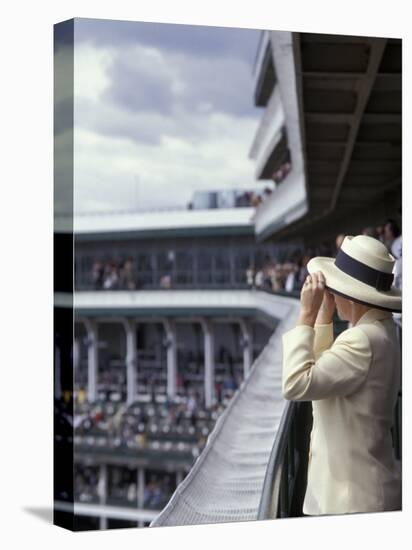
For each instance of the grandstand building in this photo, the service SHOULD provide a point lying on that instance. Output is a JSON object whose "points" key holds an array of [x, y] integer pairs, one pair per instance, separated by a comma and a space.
{"points": [[177, 411], [169, 319]]}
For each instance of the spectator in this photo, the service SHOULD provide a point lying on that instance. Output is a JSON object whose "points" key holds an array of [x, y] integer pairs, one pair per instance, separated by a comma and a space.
{"points": [[127, 276], [267, 192], [132, 492], [393, 240], [277, 278], [370, 232], [218, 389], [192, 407], [230, 383], [255, 200], [303, 270], [282, 172], [267, 282], [158, 496], [250, 276], [148, 493], [277, 176], [97, 275], [379, 231], [111, 277], [259, 279], [291, 271], [166, 281], [339, 240]]}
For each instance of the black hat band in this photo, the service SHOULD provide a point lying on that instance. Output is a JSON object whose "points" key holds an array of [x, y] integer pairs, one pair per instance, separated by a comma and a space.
{"points": [[362, 272]]}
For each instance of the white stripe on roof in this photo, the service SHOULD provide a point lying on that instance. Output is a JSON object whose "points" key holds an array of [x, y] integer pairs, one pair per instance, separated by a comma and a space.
{"points": [[179, 219]]}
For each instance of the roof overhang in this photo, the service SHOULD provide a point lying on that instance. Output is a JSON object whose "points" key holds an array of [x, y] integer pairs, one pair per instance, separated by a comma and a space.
{"points": [[350, 90]]}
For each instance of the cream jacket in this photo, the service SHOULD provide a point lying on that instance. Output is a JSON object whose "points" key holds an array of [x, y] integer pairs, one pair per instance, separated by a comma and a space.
{"points": [[353, 383]]}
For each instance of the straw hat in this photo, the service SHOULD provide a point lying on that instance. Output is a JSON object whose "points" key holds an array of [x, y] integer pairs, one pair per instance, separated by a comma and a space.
{"points": [[361, 272]]}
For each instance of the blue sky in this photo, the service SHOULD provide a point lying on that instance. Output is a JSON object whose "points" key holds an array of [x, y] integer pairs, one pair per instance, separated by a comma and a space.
{"points": [[160, 111]]}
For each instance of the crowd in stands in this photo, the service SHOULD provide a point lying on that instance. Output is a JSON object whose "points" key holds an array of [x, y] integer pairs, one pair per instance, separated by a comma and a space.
{"points": [[122, 487], [113, 275], [390, 234], [252, 198], [151, 422], [285, 276], [271, 274], [153, 377], [178, 425], [289, 276], [86, 484]]}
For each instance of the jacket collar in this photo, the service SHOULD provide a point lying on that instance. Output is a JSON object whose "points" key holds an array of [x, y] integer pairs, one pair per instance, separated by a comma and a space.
{"points": [[372, 315]]}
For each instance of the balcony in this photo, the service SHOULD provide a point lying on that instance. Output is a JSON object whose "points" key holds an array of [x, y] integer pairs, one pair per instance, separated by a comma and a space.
{"points": [[279, 138], [269, 147], [264, 71]]}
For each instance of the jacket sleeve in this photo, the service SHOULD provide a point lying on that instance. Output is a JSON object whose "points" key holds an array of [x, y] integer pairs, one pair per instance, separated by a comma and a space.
{"points": [[323, 338], [338, 371]]}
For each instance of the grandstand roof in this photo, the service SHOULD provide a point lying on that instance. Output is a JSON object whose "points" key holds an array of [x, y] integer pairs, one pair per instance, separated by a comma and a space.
{"points": [[223, 221], [350, 91], [349, 100]]}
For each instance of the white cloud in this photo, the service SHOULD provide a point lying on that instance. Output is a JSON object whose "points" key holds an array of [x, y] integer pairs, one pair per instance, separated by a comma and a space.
{"points": [[90, 71], [193, 134]]}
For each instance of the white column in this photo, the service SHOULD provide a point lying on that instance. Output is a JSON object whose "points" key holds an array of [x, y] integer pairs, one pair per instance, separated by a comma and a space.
{"points": [[247, 346], [209, 352], [76, 354], [102, 492], [131, 360], [171, 343], [92, 359]]}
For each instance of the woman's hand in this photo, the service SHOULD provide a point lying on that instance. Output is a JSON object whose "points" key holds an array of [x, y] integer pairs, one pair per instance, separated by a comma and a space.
{"points": [[311, 298], [327, 309]]}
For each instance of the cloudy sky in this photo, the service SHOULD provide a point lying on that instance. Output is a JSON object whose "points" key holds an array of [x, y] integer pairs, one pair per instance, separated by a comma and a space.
{"points": [[161, 110]]}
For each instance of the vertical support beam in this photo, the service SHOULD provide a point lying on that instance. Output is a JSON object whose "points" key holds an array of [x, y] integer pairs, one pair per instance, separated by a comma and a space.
{"points": [[232, 267], [57, 373], [76, 354], [131, 360], [155, 271], [171, 345], [92, 359], [194, 253], [102, 492], [247, 338], [159, 331], [209, 351]]}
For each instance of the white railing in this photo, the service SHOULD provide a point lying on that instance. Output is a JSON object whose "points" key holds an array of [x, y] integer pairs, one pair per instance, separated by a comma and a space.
{"points": [[269, 132], [260, 53], [225, 483], [286, 204]]}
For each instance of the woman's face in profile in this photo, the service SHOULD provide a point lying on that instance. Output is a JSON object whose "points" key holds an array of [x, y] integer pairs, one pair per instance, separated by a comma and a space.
{"points": [[343, 307]]}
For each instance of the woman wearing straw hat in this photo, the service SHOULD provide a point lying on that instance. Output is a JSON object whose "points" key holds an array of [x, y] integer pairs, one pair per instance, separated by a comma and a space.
{"points": [[353, 381]]}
